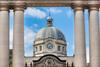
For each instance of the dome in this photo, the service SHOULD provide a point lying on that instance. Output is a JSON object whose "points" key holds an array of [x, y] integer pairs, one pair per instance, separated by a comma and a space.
{"points": [[50, 32], [49, 40]]}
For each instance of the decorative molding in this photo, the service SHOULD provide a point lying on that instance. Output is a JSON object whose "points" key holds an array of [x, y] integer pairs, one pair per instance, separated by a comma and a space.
{"points": [[4, 7], [19, 6], [47, 3], [94, 8]]}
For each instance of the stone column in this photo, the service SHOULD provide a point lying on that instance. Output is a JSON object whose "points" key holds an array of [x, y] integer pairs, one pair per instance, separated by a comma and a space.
{"points": [[80, 48], [99, 18], [99, 23], [18, 48], [4, 36], [99, 29], [94, 37]]}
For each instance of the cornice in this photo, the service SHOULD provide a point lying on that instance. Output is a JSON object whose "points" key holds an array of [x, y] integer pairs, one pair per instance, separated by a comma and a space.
{"points": [[21, 5], [4, 7]]}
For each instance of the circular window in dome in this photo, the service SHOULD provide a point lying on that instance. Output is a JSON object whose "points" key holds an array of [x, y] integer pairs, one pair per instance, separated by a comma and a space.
{"points": [[50, 46]]}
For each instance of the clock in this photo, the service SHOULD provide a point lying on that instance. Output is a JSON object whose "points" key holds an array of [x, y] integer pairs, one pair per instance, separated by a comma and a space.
{"points": [[49, 46]]}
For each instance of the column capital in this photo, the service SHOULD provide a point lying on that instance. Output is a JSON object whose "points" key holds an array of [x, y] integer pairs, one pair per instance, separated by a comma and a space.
{"points": [[19, 6], [79, 8], [93, 5], [78, 5], [94, 8], [4, 7]]}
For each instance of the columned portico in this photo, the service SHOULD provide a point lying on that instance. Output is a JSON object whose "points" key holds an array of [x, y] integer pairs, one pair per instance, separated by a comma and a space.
{"points": [[80, 49], [4, 36], [18, 39], [18, 49], [94, 37]]}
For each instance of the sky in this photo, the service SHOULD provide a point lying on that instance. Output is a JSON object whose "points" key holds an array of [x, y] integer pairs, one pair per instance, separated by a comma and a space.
{"points": [[35, 18]]}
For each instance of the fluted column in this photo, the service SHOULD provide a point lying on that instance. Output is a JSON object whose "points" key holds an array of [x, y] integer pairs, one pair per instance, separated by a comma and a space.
{"points": [[18, 48], [4, 36], [94, 37], [80, 49]]}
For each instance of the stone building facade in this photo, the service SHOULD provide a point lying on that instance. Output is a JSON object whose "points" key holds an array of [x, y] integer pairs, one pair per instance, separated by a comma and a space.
{"points": [[18, 6], [50, 49]]}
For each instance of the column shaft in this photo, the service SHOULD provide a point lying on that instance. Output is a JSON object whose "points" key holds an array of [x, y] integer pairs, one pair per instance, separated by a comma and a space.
{"points": [[94, 38], [80, 49], [4, 38], [18, 51]]}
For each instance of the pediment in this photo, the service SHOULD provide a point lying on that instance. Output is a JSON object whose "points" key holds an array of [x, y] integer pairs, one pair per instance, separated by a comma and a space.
{"points": [[49, 61]]}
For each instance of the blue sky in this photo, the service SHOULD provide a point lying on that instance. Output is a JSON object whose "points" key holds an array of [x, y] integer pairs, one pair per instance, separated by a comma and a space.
{"points": [[35, 19]]}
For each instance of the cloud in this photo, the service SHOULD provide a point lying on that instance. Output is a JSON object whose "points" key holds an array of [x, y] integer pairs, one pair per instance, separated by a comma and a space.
{"points": [[34, 12], [11, 14], [87, 55], [11, 39], [29, 35], [28, 40], [54, 10], [28, 50]]}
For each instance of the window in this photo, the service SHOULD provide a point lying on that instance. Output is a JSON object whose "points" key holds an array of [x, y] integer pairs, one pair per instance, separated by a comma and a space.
{"points": [[40, 48], [36, 49], [63, 48], [59, 48]]}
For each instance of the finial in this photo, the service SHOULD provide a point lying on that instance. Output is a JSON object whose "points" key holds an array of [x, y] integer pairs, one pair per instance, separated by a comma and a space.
{"points": [[49, 20]]}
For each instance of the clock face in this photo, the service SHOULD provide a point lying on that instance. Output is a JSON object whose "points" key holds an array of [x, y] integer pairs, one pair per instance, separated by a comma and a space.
{"points": [[49, 46]]}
